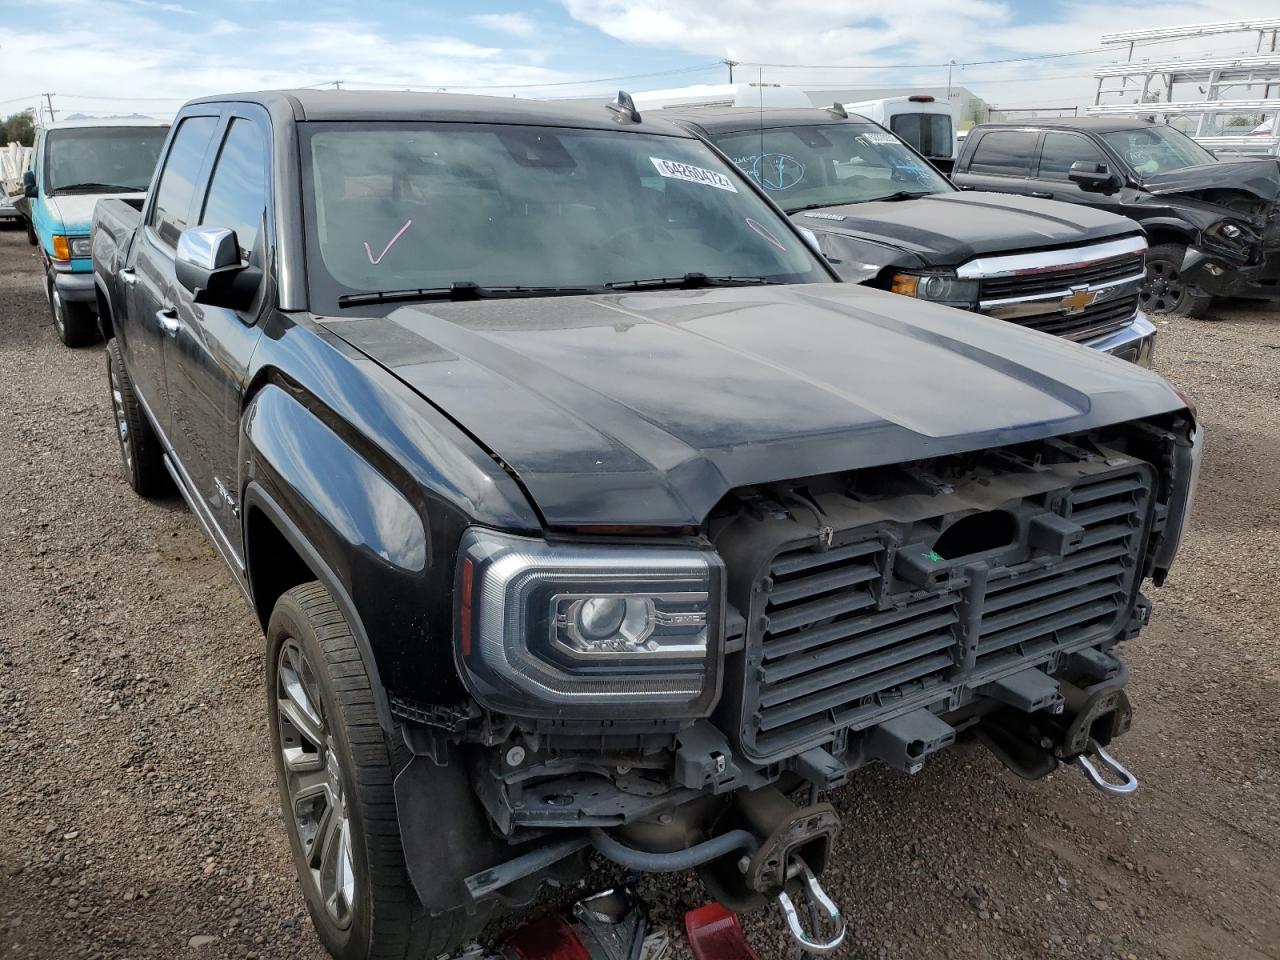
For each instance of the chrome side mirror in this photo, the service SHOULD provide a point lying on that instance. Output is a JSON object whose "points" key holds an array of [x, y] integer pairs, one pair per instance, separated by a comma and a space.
{"points": [[208, 266]]}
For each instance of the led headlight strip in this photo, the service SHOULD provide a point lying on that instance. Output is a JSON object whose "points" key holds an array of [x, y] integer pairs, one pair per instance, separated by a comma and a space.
{"points": [[580, 630]]}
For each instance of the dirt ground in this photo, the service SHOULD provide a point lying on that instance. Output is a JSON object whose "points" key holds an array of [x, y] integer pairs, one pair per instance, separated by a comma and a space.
{"points": [[138, 815]]}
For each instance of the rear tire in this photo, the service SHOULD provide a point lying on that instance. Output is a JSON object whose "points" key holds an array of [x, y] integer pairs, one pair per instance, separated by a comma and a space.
{"points": [[336, 769], [140, 451], [1163, 292], [76, 323]]}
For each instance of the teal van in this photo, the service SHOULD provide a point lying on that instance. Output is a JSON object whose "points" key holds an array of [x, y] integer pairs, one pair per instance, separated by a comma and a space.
{"points": [[76, 163]]}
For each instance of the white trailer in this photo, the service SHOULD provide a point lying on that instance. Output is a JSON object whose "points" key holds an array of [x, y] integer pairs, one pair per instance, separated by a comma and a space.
{"points": [[923, 121]]}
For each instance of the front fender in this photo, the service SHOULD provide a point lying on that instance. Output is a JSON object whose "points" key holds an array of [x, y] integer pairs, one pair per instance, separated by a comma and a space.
{"points": [[369, 539]]}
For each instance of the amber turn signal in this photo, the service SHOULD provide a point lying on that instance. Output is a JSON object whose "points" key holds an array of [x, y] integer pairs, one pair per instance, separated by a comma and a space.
{"points": [[61, 248]]}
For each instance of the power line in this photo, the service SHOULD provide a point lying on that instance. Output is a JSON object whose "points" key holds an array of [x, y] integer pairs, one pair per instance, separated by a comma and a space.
{"points": [[532, 86]]}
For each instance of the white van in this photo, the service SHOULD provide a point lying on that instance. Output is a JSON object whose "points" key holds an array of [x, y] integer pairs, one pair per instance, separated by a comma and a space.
{"points": [[766, 95], [922, 121]]}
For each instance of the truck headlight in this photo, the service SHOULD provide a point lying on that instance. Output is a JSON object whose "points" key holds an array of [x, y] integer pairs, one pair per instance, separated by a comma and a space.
{"points": [[938, 287], [81, 247], [592, 631], [1186, 464]]}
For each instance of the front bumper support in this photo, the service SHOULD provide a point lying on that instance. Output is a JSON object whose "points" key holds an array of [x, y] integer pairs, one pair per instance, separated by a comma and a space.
{"points": [[1135, 342], [1219, 277]]}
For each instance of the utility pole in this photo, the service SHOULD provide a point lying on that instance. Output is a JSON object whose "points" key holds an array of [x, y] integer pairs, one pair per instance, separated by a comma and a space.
{"points": [[949, 66], [48, 98], [337, 84], [730, 64]]}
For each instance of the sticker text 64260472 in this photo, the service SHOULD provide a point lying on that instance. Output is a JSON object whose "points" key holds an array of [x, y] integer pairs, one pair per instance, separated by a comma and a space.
{"points": [[675, 170]]}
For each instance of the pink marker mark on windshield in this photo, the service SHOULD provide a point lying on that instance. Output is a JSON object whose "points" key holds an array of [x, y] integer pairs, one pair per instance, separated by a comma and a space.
{"points": [[390, 243], [764, 233]]}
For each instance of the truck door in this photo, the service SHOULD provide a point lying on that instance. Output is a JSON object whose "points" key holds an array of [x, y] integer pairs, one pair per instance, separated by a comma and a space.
{"points": [[207, 358], [1058, 151], [148, 276], [1002, 161]]}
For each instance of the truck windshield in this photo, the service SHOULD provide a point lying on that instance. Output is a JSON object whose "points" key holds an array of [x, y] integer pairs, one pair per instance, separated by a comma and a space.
{"points": [[825, 165], [101, 159], [428, 206], [1152, 150]]}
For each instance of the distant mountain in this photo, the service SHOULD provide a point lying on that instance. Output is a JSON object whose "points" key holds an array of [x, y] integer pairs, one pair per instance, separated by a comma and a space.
{"points": [[113, 116]]}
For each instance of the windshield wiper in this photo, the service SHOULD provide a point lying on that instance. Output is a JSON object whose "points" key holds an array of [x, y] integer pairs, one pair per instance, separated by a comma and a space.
{"points": [[690, 281], [103, 187], [903, 195], [461, 290]]}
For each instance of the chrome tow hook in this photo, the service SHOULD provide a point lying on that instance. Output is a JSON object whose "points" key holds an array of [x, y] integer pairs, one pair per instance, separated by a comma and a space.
{"points": [[1128, 782], [819, 904]]}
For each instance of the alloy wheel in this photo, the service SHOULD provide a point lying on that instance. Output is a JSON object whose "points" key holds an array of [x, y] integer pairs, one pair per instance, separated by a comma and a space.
{"points": [[1162, 290], [313, 781]]}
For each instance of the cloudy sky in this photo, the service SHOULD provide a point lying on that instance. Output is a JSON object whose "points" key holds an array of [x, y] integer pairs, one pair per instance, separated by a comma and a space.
{"points": [[118, 56]]}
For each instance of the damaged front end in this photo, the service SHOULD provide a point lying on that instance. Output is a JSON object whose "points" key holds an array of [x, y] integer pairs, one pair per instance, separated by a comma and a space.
{"points": [[1235, 210], [665, 699]]}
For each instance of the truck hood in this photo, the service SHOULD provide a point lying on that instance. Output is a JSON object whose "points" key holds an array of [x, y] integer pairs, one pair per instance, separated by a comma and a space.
{"points": [[648, 408], [1258, 178], [75, 210], [946, 229]]}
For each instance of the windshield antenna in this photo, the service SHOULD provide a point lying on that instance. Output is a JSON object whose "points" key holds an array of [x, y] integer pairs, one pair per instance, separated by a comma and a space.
{"points": [[760, 156]]}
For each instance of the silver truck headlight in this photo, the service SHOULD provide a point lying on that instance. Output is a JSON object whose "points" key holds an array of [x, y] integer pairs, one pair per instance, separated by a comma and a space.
{"points": [[938, 287], [573, 630], [81, 247]]}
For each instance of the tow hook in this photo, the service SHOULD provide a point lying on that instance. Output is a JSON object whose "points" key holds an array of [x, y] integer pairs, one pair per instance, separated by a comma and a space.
{"points": [[1128, 782], [818, 906]]}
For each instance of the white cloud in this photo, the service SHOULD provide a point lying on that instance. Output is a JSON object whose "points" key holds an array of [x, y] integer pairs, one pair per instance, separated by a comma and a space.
{"points": [[923, 32], [516, 24]]}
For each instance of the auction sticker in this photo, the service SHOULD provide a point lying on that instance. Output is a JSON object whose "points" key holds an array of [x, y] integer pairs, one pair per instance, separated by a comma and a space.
{"points": [[884, 139], [675, 170]]}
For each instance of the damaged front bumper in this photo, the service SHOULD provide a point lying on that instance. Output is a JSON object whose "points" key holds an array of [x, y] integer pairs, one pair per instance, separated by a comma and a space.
{"points": [[1220, 275]]}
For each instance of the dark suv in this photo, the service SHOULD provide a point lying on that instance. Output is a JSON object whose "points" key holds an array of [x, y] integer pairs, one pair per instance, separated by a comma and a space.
{"points": [[582, 510], [1213, 226]]}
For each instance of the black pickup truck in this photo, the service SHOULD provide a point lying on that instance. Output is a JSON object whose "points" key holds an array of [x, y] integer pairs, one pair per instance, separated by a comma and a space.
{"points": [[885, 217], [1213, 225], [581, 510]]}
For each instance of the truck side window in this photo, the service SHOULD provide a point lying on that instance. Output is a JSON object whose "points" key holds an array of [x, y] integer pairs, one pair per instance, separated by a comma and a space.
{"points": [[178, 181], [238, 188], [1004, 152], [1061, 150]]}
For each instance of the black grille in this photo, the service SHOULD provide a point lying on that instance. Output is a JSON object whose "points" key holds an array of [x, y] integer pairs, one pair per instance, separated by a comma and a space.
{"points": [[843, 643], [1030, 284], [1093, 322]]}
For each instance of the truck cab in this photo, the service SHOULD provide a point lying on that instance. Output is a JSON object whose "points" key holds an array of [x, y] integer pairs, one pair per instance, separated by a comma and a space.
{"points": [[77, 163]]}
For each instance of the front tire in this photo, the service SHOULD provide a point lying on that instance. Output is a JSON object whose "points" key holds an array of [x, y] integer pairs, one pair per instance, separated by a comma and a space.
{"points": [[336, 772], [140, 452], [76, 324], [1164, 291], [31, 233]]}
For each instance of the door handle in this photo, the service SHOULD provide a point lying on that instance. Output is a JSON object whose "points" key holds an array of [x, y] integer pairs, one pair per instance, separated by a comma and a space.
{"points": [[168, 320], [128, 276], [1042, 195]]}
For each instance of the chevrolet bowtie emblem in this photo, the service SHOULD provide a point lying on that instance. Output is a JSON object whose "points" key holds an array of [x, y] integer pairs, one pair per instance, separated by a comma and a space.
{"points": [[1078, 300]]}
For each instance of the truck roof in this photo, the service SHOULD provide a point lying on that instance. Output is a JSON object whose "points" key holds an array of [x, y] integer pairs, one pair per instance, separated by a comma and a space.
{"points": [[106, 122], [458, 107], [1092, 124], [736, 119]]}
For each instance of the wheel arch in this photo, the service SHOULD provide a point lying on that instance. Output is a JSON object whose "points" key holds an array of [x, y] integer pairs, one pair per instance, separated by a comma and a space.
{"points": [[106, 319], [1167, 230], [278, 557]]}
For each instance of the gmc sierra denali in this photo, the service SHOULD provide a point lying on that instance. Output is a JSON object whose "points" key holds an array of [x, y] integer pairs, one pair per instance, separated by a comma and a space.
{"points": [[582, 511], [1213, 225], [885, 217]]}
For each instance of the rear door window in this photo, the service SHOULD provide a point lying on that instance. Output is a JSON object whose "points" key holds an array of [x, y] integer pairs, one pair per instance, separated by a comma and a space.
{"points": [[930, 133], [1005, 153], [1061, 150], [171, 212], [237, 196]]}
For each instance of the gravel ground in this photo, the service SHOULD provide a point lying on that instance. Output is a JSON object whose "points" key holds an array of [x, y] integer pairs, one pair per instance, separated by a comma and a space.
{"points": [[138, 814]]}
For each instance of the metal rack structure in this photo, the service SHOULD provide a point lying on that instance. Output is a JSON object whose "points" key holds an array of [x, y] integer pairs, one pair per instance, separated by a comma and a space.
{"points": [[1229, 87]]}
